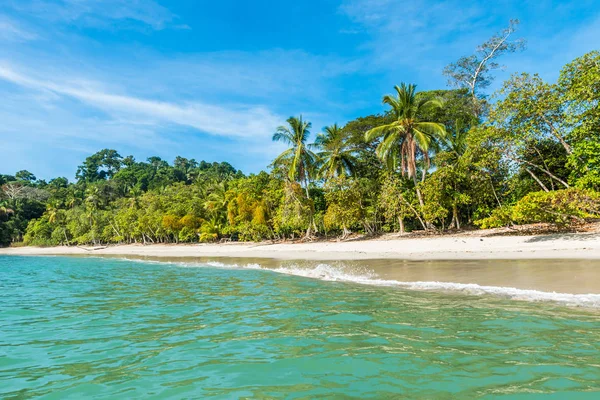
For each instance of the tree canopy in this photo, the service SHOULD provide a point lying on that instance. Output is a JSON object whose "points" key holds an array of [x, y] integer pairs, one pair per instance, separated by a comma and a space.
{"points": [[428, 161]]}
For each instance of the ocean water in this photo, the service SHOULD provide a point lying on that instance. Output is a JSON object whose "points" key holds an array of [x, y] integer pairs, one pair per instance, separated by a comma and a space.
{"points": [[73, 328]]}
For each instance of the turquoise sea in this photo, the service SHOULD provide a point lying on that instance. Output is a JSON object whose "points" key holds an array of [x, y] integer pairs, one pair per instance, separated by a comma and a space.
{"points": [[74, 328]]}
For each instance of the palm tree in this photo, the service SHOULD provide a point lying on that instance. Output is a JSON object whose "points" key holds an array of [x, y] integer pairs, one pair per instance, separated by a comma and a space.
{"points": [[57, 216], [456, 141], [406, 136], [134, 200], [298, 158], [92, 205], [216, 201], [336, 157]]}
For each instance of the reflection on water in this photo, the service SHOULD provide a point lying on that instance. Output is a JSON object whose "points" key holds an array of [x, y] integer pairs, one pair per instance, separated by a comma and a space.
{"points": [[87, 327]]}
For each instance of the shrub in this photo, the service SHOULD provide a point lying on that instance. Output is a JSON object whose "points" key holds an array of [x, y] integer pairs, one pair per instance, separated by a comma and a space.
{"points": [[559, 207], [501, 216]]}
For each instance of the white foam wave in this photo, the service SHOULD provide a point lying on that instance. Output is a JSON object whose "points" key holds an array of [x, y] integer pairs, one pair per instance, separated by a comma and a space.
{"points": [[330, 272]]}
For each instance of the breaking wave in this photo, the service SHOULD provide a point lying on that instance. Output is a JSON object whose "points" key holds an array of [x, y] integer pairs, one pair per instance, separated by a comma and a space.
{"points": [[364, 276]]}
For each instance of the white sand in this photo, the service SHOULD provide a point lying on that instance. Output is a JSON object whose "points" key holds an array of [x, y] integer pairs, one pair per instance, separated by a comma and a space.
{"points": [[559, 246]]}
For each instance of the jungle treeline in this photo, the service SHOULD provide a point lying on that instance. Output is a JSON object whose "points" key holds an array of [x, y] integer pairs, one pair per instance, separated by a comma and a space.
{"points": [[432, 160]]}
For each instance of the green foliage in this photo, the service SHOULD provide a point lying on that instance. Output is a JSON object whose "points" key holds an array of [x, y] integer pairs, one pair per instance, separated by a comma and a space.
{"points": [[99, 166], [402, 139], [337, 155], [293, 215], [431, 161], [299, 160], [560, 207], [580, 85], [345, 208], [396, 200], [367, 165], [25, 176], [499, 217]]}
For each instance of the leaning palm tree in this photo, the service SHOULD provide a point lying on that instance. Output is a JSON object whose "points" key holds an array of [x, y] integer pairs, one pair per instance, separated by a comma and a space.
{"points": [[407, 136], [336, 157], [299, 159]]}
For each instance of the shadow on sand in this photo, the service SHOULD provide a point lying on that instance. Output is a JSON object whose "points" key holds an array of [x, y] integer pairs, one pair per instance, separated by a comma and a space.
{"points": [[582, 237]]}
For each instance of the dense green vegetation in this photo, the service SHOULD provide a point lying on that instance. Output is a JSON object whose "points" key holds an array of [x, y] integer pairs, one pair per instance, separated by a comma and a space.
{"points": [[436, 160]]}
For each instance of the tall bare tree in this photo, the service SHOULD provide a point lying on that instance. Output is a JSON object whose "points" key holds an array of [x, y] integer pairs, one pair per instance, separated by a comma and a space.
{"points": [[474, 72]]}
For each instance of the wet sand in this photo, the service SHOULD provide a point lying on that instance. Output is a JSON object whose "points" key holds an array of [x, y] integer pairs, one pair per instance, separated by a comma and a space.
{"points": [[560, 276], [562, 263]]}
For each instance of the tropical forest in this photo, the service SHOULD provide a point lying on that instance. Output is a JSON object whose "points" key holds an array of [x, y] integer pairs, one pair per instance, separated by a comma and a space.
{"points": [[434, 161]]}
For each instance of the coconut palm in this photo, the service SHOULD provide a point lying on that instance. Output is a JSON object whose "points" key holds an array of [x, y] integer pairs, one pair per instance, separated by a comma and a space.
{"points": [[57, 216], [456, 141], [407, 136], [299, 159], [92, 205], [216, 200], [336, 156]]}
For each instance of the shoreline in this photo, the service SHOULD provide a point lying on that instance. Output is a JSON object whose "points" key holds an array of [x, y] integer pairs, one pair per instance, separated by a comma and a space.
{"points": [[556, 267], [455, 247]]}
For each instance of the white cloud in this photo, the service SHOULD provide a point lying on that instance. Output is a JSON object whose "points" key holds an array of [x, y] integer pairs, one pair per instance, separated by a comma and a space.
{"points": [[228, 121]]}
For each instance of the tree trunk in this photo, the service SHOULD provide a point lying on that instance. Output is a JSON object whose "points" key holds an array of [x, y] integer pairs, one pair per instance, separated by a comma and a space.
{"points": [[401, 222], [419, 196], [537, 180], [556, 134], [346, 233], [550, 174], [455, 221], [66, 238], [415, 212], [308, 231], [311, 224], [427, 225]]}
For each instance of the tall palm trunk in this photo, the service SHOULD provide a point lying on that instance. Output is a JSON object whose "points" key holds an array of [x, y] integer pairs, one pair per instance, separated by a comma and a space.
{"points": [[312, 224]]}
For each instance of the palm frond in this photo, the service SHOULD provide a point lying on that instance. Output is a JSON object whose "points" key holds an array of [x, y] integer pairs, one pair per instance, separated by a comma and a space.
{"points": [[373, 133]]}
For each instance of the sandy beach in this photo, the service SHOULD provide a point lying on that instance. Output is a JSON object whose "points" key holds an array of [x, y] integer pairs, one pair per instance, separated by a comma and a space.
{"points": [[457, 247], [560, 267]]}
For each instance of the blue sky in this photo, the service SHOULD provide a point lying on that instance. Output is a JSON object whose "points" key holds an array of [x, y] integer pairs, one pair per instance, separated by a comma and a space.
{"points": [[213, 79]]}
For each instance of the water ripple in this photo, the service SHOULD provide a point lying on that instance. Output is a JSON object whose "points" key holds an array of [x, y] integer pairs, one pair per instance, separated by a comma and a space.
{"points": [[93, 328]]}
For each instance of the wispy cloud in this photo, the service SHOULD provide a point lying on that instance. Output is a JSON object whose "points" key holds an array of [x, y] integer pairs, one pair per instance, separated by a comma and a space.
{"points": [[400, 33], [420, 37], [11, 30], [234, 121], [99, 13], [74, 77]]}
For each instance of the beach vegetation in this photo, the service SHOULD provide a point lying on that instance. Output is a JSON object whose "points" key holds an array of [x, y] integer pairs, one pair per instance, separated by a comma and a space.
{"points": [[430, 161]]}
